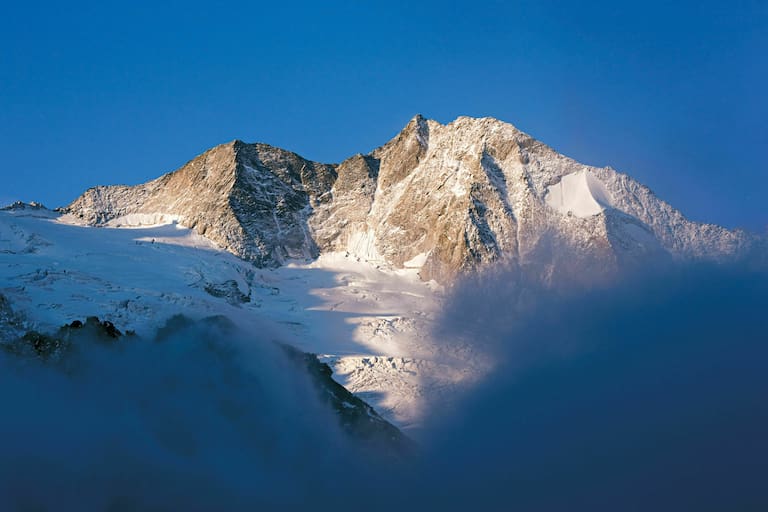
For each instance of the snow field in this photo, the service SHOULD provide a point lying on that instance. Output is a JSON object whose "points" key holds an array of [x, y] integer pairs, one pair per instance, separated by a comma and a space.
{"points": [[372, 324]]}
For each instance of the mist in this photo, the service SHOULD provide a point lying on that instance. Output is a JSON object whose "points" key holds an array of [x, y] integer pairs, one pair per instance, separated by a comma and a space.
{"points": [[649, 394], [201, 418], [646, 395]]}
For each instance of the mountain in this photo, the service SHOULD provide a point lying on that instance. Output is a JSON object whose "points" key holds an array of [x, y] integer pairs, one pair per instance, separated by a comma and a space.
{"points": [[440, 198], [368, 241], [330, 282]]}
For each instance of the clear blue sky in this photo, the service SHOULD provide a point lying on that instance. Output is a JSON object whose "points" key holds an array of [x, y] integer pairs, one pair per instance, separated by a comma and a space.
{"points": [[673, 93]]}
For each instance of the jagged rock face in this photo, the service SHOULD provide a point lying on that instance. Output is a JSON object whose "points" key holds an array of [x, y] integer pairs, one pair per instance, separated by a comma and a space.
{"points": [[443, 198], [197, 195], [253, 200], [273, 195], [450, 198]]}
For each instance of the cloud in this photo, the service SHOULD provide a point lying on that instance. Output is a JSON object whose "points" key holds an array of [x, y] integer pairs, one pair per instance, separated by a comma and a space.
{"points": [[204, 418], [646, 395], [649, 395]]}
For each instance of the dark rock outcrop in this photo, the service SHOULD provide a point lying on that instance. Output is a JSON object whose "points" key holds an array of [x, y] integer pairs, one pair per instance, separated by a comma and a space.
{"points": [[357, 418]]}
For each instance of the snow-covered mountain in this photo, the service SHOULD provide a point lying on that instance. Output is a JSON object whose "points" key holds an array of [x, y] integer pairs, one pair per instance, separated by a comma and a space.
{"points": [[347, 261], [439, 198]]}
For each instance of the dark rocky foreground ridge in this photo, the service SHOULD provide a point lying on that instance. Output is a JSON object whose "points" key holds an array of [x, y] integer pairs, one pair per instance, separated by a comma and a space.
{"points": [[62, 351], [440, 198]]}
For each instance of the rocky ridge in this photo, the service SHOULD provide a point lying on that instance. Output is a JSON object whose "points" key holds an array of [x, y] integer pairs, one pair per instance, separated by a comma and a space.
{"points": [[441, 198]]}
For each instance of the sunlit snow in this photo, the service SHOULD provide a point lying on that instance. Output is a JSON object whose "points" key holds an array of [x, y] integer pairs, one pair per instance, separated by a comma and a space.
{"points": [[581, 194], [372, 324]]}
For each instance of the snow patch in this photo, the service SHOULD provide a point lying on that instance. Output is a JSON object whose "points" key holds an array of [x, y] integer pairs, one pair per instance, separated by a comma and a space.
{"points": [[363, 245], [135, 220], [417, 261], [580, 193], [458, 190]]}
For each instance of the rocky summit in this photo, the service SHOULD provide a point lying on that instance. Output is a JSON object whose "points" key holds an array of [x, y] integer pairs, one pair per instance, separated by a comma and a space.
{"points": [[440, 198]]}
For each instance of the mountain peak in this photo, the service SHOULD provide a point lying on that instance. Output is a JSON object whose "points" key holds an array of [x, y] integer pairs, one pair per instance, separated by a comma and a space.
{"points": [[441, 198], [418, 118], [419, 126]]}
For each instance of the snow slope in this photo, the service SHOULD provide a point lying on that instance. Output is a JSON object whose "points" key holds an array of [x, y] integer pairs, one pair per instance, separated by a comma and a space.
{"points": [[581, 194], [371, 324]]}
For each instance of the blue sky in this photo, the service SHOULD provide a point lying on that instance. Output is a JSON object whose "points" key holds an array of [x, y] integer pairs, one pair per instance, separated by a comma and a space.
{"points": [[674, 95]]}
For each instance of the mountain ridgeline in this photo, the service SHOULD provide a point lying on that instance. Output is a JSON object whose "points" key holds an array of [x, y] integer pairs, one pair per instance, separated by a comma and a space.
{"points": [[441, 198]]}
